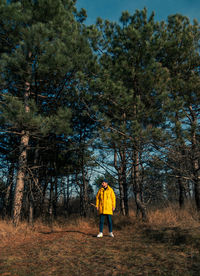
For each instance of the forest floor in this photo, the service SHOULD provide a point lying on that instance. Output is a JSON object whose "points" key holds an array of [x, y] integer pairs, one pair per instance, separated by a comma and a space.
{"points": [[73, 249]]}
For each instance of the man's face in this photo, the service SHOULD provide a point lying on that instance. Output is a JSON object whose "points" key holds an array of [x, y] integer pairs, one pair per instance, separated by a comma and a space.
{"points": [[104, 184]]}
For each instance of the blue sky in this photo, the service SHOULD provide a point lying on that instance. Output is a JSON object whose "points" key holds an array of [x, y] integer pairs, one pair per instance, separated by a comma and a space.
{"points": [[112, 9]]}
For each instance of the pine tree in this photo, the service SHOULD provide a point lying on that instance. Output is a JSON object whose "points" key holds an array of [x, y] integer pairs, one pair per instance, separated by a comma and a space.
{"points": [[180, 55], [133, 86], [43, 52]]}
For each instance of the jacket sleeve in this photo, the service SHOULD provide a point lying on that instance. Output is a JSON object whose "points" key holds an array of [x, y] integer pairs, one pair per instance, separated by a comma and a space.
{"points": [[97, 199], [113, 199]]}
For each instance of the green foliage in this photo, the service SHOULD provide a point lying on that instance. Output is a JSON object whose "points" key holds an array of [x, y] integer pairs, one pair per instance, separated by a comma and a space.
{"points": [[58, 123], [44, 57], [47, 49], [14, 113], [133, 82]]}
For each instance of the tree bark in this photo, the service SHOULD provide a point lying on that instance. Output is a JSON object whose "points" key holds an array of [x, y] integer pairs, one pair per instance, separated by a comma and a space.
{"points": [[19, 190], [125, 188], [31, 210], [119, 170], [51, 196], [55, 197], [85, 195], [182, 194], [141, 207], [195, 158], [121, 194], [43, 209], [83, 190], [8, 197], [179, 161], [66, 195]]}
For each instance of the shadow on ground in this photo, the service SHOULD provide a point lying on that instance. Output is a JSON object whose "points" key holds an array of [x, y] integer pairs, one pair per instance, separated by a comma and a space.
{"points": [[173, 236], [66, 231]]}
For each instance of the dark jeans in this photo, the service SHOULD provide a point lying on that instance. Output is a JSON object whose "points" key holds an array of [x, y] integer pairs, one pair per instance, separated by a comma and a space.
{"points": [[109, 219]]}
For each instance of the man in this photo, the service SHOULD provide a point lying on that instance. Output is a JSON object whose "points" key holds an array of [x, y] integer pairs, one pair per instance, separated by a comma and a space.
{"points": [[105, 204]]}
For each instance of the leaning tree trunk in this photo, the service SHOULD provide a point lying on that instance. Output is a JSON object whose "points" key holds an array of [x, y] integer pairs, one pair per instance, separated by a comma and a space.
{"points": [[19, 190]]}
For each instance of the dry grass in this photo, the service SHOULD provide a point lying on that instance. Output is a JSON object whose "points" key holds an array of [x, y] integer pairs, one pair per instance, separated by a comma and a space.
{"points": [[166, 245], [172, 216]]}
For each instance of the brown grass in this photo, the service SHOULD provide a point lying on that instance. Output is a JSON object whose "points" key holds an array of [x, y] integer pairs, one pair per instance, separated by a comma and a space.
{"points": [[173, 216], [168, 244]]}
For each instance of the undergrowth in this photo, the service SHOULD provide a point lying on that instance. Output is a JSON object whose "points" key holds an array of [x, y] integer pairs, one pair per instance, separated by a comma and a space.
{"points": [[167, 244]]}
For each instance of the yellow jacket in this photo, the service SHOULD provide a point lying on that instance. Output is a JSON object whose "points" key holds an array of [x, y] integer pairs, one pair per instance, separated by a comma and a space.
{"points": [[106, 201]]}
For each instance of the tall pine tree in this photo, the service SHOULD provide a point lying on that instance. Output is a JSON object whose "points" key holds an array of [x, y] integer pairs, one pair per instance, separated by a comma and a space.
{"points": [[43, 52]]}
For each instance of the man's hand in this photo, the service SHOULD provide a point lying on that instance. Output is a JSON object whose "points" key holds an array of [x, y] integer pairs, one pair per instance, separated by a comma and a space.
{"points": [[113, 209]]}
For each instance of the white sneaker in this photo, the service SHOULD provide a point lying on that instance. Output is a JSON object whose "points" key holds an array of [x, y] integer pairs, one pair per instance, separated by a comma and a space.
{"points": [[100, 235], [111, 234]]}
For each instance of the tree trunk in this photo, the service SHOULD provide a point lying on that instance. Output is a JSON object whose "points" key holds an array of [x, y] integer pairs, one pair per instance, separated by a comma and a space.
{"points": [[121, 195], [55, 198], [19, 190], [195, 158], [121, 170], [7, 207], [136, 186], [65, 195], [51, 203], [31, 210], [85, 195], [43, 209], [197, 191], [182, 195], [83, 190], [125, 188], [179, 163]]}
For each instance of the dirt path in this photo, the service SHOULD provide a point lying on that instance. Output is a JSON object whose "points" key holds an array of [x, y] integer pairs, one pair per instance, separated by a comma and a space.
{"points": [[133, 251]]}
